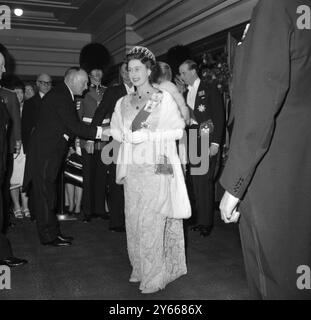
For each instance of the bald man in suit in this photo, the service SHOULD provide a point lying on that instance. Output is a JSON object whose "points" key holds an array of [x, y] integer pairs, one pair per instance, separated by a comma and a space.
{"points": [[58, 122]]}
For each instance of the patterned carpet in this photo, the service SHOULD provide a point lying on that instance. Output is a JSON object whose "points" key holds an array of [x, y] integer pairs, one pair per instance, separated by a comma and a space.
{"points": [[97, 266]]}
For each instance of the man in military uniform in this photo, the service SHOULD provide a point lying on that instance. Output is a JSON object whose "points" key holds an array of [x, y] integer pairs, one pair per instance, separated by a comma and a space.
{"points": [[206, 108], [14, 141], [94, 171], [268, 168], [105, 111]]}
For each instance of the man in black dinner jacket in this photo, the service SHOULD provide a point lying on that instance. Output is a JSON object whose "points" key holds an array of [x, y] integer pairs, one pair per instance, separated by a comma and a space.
{"points": [[57, 123], [267, 176], [206, 107], [6, 254], [14, 140], [30, 114], [32, 107]]}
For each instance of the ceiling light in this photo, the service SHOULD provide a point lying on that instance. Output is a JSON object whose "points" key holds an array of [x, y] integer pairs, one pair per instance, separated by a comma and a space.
{"points": [[18, 12]]}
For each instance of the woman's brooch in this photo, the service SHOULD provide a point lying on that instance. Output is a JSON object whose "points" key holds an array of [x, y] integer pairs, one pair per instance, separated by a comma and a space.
{"points": [[145, 125], [153, 102]]}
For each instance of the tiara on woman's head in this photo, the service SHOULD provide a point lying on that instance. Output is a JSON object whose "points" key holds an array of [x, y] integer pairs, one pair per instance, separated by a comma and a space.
{"points": [[145, 51]]}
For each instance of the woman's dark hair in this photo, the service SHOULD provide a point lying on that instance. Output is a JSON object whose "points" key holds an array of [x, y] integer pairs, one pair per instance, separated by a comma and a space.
{"points": [[27, 83], [147, 61]]}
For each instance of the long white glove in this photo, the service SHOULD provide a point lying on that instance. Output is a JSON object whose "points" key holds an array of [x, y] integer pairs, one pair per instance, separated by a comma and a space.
{"points": [[136, 137]]}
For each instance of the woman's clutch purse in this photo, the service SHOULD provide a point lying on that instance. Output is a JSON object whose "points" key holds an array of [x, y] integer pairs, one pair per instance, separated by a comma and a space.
{"points": [[164, 166]]}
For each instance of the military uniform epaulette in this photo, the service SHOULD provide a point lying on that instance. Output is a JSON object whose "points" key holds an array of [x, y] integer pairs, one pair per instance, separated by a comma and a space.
{"points": [[10, 90], [78, 103], [99, 86]]}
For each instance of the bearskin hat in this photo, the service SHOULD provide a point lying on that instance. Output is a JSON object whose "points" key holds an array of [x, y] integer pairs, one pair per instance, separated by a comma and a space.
{"points": [[176, 55], [94, 56]]}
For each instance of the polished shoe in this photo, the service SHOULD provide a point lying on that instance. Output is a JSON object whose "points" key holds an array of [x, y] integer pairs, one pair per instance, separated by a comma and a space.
{"points": [[205, 231], [11, 224], [86, 220], [117, 229], [105, 216], [197, 228], [73, 212], [58, 243], [13, 262], [65, 238]]}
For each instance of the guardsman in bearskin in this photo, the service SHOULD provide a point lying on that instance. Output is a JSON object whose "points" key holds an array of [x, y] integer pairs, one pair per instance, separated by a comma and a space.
{"points": [[93, 59], [105, 111]]}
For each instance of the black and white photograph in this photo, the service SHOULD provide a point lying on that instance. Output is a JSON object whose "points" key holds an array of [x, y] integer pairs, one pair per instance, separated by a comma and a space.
{"points": [[155, 150]]}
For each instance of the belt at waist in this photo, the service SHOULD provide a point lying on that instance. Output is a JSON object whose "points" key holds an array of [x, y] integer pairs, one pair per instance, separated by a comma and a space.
{"points": [[99, 145], [193, 122]]}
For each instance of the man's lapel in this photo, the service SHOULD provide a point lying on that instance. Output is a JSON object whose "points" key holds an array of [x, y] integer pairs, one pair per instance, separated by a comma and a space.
{"points": [[67, 93]]}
